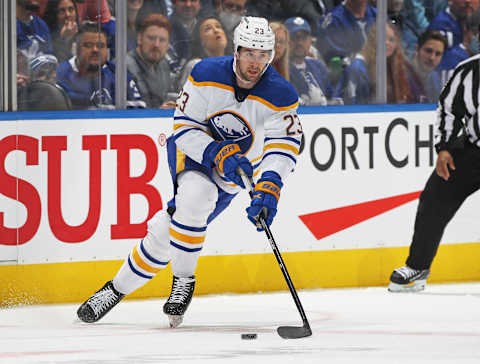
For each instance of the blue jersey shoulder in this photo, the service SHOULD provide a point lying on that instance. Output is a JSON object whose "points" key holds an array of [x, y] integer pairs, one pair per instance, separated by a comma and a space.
{"points": [[272, 87], [216, 69], [275, 89]]}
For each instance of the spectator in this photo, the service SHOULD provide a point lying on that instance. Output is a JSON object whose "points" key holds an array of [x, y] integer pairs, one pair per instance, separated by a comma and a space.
{"points": [[147, 63], [358, 84], [428, 54], [281, 10], [308, 75], [406, 26], [33, 34], [42, 92], [452, 22], [183, 20], [208, 40], [62, 18], [88, 78], [87, 10], [281, 59], [344, 30], [44, 68], [150, 6], [230, 13], [133, 7], [422, 12]]}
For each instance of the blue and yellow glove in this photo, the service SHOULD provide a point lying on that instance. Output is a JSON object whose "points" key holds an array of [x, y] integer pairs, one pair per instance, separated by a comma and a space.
{"points": [[226, 156], [265, 199]]}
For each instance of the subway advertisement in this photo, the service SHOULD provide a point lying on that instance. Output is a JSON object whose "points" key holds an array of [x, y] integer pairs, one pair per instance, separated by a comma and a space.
{"points": [[75, 195]]}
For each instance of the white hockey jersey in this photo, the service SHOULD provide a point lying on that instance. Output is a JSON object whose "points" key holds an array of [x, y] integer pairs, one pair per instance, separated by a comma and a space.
{"points": [[265, 125]]}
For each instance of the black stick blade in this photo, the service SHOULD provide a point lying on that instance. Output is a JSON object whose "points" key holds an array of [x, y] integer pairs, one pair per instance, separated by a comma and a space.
{"points": [[294, 332]]}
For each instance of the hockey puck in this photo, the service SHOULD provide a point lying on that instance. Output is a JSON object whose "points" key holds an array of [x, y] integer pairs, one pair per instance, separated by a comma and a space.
{"points": [[249, 336]]}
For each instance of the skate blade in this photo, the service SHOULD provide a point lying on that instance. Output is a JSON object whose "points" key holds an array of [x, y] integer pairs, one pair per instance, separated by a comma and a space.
{"points": [[175, 320], [416, 286]]}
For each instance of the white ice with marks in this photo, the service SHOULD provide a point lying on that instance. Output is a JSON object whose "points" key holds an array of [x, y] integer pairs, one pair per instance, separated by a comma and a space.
{"points": [[369, 325]]}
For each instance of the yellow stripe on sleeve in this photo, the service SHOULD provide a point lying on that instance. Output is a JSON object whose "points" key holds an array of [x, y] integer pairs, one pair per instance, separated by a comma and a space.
{"points": [[282, 146]]}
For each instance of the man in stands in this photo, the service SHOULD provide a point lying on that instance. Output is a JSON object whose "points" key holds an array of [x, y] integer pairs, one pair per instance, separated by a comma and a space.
{"points": [[183, 20], [308, 75], [88, 78], [147, 63]]}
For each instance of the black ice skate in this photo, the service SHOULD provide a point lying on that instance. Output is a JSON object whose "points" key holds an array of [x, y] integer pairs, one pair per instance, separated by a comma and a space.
{"points": [[180, 297], [99, 304], [406, 279]]}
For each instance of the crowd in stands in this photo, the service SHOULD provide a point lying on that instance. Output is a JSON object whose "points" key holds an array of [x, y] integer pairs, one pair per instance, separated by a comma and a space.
{"points": [[325, 48]]}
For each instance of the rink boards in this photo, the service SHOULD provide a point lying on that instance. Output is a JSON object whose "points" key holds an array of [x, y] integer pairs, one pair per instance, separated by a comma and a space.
{"points": [[76, 189]]}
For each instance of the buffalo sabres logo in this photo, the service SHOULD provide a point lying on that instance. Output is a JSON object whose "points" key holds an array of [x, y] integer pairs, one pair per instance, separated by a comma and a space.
{"points": [[228, 125]]}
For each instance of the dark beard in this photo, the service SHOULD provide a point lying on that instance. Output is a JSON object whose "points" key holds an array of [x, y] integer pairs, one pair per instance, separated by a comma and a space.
{"points": [[93, 67]]}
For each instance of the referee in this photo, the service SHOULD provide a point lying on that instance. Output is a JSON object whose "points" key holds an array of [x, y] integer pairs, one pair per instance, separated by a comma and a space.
{"points": [[456, 175]]}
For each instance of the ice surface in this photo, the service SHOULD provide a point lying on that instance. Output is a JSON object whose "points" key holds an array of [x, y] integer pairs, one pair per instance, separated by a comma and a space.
{"points": [[369, 325]]}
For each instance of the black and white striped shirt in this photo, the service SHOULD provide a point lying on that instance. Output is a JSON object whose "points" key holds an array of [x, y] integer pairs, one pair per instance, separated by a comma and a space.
{"points": [[458, 105]]}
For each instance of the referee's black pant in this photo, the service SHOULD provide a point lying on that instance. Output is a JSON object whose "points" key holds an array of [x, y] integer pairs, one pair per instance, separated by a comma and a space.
{"points": [[439, 202]]}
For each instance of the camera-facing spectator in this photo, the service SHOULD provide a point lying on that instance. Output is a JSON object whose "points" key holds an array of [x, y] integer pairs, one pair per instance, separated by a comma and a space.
{"points": [[82, 75], [208, 40], [344, 30], [147, 63], [428, 54], [62, 18], [282, 54], [453, 23], [309, 76]]}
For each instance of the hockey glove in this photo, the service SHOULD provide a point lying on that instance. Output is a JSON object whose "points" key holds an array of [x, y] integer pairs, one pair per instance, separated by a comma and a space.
{"points": [[265, 199], [227, 158]]}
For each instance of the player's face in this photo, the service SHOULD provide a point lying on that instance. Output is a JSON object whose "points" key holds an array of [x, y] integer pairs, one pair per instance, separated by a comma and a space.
{"points": [[391, 43], [66, 12], [212, 35], [153, 43], [92, 51], [300, 43], [430, 55], [280, 43], [251, 62], [463, 8], [187, 9]]}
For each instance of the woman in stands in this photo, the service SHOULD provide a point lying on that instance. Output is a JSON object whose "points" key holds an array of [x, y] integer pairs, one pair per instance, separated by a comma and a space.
{"points": [[208, 40], [282, 39], [358, 84], [62, 18]]}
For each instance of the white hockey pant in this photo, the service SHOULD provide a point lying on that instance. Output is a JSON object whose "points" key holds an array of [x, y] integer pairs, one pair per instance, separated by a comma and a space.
{"points": [[179, 238]]}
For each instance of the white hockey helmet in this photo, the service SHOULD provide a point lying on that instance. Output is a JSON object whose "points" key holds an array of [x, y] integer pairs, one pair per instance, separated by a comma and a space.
{"points": [[254, 32]]}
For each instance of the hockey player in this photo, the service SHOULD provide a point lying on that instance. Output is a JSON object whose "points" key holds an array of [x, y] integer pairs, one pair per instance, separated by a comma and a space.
{"points": [[233, 113]]}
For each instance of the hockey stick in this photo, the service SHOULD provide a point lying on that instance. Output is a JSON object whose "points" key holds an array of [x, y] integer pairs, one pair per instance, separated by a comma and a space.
{"points": [[286, 332]]}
